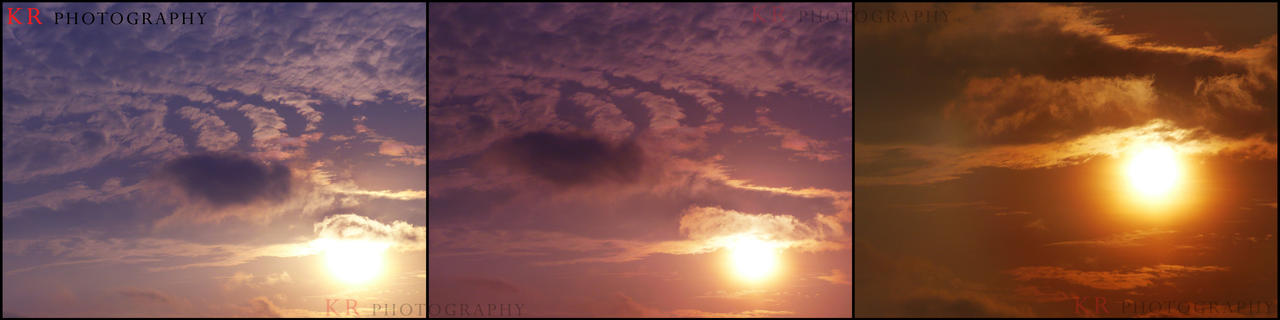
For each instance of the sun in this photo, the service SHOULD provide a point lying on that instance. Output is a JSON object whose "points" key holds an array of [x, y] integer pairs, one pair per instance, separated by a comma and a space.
{"points": [[353, 261], [752, 259], [1153, 171]]}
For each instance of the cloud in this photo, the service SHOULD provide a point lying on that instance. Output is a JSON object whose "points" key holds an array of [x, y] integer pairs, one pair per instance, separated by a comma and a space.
{"points": [[89, 249], [401, 235], [213, 132], [261, 307], [1128, 239], [518, 91], [568, 160], [942, 163], [1009, 213], [758, 313], [398, 151], [269, 137], [937, 305], [267, 124], [842, 201], [349, 188], [1034, 109], [707, 229], [494, 285], [229, 255], [1033, 293], [43, 146], [606, 118], [1038, 224], [886, 285], [664, 114], [1110, 280], [243, 279], [616, 304], [100, 102], [223, 179], [716, 225], [146, 295], [992, 87], [322, 177], [402, 152], [837, 277], [302, 103], [76, 191], [804, 146]]}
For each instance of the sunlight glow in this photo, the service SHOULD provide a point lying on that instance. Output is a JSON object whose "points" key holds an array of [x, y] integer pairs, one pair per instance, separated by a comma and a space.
{"points": [[753, 259], [1153, 171], [353, 261]]}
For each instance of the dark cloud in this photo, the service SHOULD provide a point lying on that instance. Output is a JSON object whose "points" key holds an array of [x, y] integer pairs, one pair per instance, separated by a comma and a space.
{"points": [[571, 159], [1065, 48], [224, 179]]}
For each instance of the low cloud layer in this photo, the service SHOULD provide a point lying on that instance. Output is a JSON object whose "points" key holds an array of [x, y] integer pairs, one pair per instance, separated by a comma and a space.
{"points": [[1110, 280]]}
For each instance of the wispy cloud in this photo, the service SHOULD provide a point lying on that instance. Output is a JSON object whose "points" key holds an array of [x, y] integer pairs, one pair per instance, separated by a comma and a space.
{"points": [[1110, 280]]}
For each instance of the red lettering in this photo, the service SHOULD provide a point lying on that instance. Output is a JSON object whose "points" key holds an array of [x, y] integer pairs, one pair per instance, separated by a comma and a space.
{"points": [[1100, 302], [755, 14], [1080, 307], [777, 12], [351, 306], [329, 308], [33, 13], [12, 19]]}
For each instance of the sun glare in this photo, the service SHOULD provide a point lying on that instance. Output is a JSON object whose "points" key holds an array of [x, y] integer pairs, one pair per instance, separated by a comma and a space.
{"points": [[753, 259], [354, 261], [1153, 171]]}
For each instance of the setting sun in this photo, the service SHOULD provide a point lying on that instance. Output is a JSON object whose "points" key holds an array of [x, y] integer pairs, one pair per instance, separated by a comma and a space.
{"points": [[753, 259], [1153, 171], [354, 261]]}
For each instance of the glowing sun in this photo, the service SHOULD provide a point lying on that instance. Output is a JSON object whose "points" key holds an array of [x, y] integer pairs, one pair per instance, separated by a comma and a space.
{"points": [[753, 259], [353, 261], [1153, 171]]}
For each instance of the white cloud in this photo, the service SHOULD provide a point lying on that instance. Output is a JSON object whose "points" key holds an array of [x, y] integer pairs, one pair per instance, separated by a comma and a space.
{"points": [[402, 235]]}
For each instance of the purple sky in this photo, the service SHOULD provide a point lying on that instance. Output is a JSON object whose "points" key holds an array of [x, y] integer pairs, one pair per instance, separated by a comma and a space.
{"points": [[602, 159]]}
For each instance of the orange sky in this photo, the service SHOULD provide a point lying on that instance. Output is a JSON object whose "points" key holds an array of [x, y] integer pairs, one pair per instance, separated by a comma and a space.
{"points": [[992, 159]]}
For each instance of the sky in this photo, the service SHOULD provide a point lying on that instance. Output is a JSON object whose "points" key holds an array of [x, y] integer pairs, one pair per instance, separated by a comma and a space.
{"points": [[1110, 160], [640, 160], [261, 164]]}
